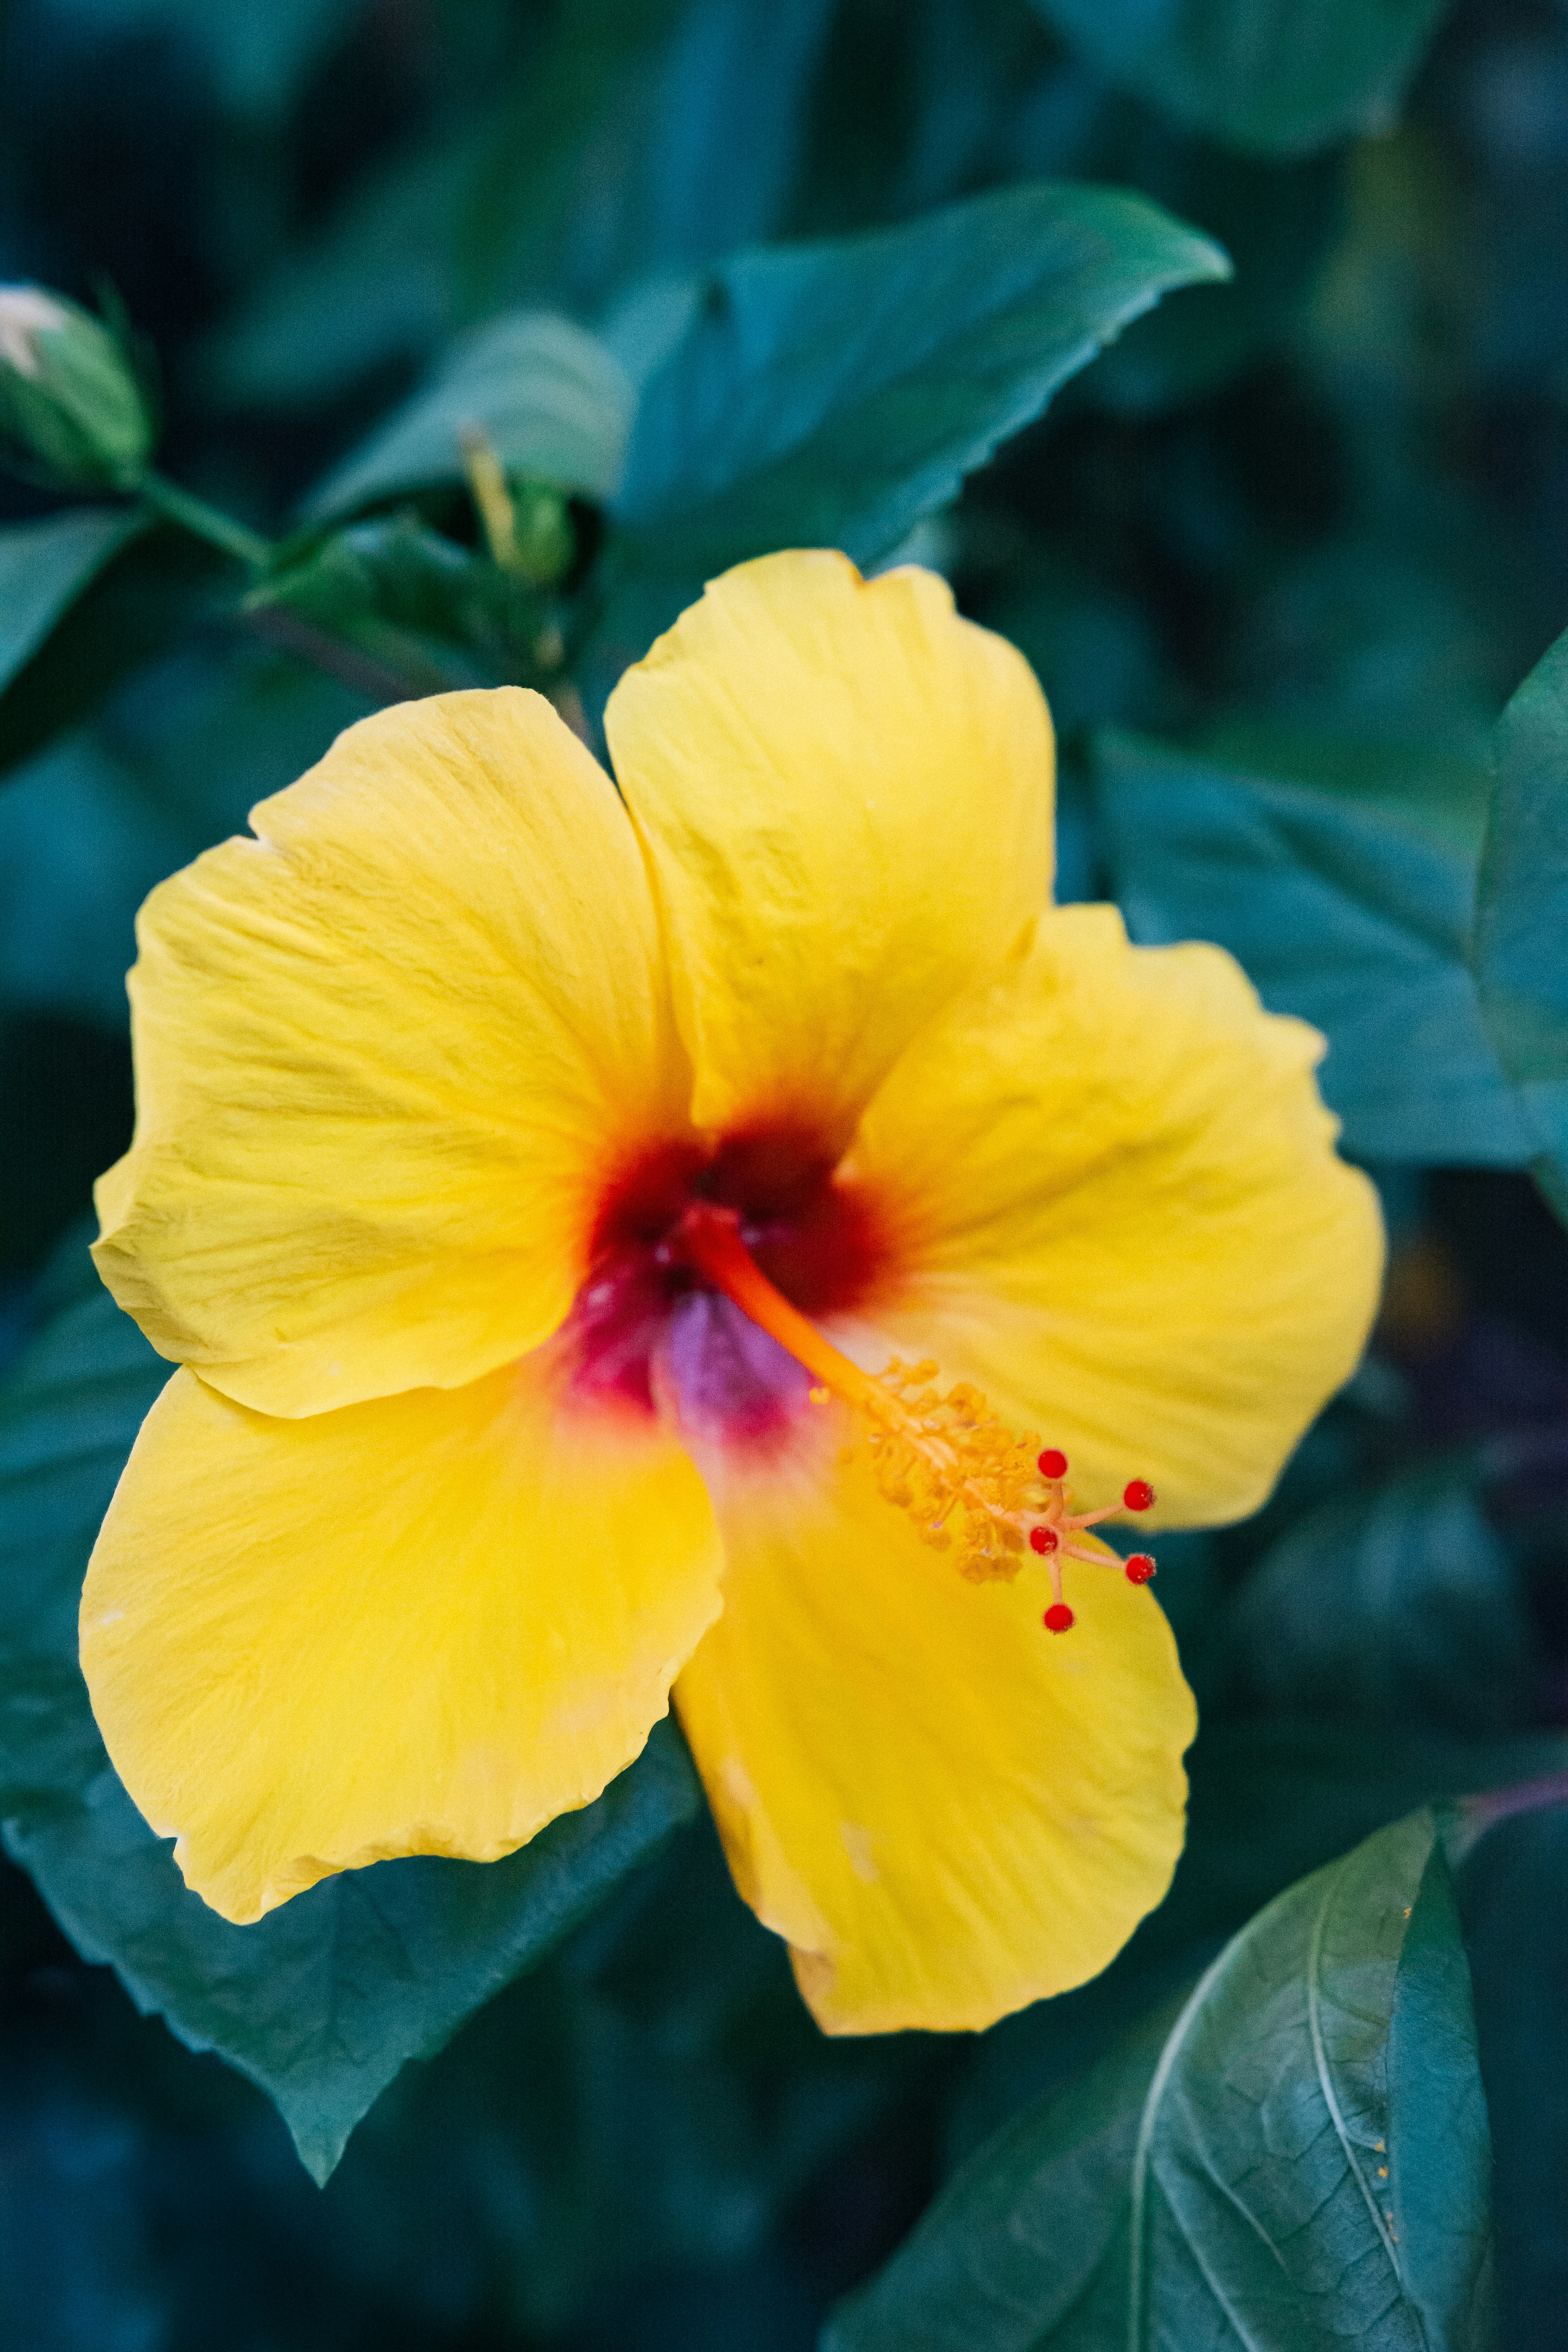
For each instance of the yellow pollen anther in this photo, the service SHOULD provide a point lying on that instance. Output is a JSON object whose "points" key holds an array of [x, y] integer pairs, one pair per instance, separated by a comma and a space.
{"points": [[966, 1482]]}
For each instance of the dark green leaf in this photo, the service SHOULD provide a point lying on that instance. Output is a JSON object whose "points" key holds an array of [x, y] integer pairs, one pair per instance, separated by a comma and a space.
{"points": [[163, 582], [81, 847], [1027, 2247], [1510, 1887], [258, 56], [87, 827], [831, 394], [1302, 2162], [44, 566], [1340, 913], [1271, 75], [433, 614], [650, 136], [1276, 220], [370, 289], [554, 405], [325, 1999], [1271, 1799], [1396, 1605], [1522, 913]]}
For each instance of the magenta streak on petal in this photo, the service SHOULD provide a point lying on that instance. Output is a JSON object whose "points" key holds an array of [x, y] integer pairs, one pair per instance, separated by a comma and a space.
{"points": [[638, 1336], [731, 1382]]}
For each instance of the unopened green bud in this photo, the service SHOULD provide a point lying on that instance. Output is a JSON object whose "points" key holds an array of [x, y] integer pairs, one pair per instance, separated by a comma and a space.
{"points": [[71, 412]]}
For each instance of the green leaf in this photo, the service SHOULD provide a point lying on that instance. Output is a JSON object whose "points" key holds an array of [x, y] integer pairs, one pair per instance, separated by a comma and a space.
{"points": [[648, 136], [433, 614], [1027, 2248], [1274, 1797], [1520, 951], [1269, 75], [1340, 913], [1509, 1885], [80, 846], [1271, 1799], [92, 823], [553, 401], [831, 394], [163, 584], [1302, 2161], [44, 566], [369, 289], [258, 56], [1396, 1604], [323, 2000]]}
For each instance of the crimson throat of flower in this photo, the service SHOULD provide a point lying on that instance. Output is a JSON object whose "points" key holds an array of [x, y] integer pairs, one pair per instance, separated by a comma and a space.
{"points": [[946, 1459]]}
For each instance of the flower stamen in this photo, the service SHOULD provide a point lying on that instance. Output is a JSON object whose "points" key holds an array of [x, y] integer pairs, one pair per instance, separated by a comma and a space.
{"points": [[944, 1459]]}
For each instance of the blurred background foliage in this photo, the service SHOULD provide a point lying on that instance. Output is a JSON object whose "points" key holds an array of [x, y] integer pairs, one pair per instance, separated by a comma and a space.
{"points": [[1280, 555]]}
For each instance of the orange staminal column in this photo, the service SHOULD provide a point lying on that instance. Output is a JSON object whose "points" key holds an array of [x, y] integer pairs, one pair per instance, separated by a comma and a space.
{"points": [[945, 1460]]}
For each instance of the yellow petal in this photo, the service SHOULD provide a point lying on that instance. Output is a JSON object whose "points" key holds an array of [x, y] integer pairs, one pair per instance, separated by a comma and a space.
{"points": [[421, 1625], [947, 1810], [1123, 1215], [844, 792], [385, 1053]]}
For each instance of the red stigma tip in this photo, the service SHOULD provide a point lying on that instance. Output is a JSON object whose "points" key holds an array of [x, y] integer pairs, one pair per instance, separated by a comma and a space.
{"points": [[1052, 1463], [1057, 1618], [1044, 1539], [1138, 1494], [1139, 1568]]}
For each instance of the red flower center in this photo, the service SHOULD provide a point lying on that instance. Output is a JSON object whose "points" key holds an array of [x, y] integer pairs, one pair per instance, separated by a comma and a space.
{"points": [[649, 1329]]}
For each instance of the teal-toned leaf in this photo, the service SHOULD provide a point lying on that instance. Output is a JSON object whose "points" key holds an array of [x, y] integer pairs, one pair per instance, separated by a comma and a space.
{"points": [[832, 395], [44, 566], [1398, 1604], [163, 584], [1509, 1885], [1302, 2161], [551, 401], [1277, 221], [1026, 2249], [1340, 913], [1272, 1797], [370, 289], [81, 847], [650, 135], [93, 823], [324, 1999], [431, 614], [1271, 75], [258, 56], [1522, 911]]}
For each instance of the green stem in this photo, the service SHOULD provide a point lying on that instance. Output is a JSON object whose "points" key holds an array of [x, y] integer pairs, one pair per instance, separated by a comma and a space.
{"points": [[195, 515]]}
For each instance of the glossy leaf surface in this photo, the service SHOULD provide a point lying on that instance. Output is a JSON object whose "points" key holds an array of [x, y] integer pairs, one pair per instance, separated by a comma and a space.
{"points": [[1299, 2161], [831, 394], [550, 400]]}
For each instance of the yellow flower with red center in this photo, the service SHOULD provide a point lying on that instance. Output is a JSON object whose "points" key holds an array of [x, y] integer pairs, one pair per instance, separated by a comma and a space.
{"points": [[682, 1241]]}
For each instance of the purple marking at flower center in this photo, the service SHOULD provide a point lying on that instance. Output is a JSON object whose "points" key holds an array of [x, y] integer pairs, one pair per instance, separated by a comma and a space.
{"points": [[732, 1382], [646, 1335]]}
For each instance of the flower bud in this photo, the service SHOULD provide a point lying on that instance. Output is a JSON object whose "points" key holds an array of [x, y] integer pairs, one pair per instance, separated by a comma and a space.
{"points": [[71, 412]]}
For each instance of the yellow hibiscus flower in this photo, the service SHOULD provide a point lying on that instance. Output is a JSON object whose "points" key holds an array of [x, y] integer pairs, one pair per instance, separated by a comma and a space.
{"points": [[534, 1185]]}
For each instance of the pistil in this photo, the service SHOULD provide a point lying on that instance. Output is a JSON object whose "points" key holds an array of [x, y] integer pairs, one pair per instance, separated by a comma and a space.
{"points": [[946, 1459]]}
